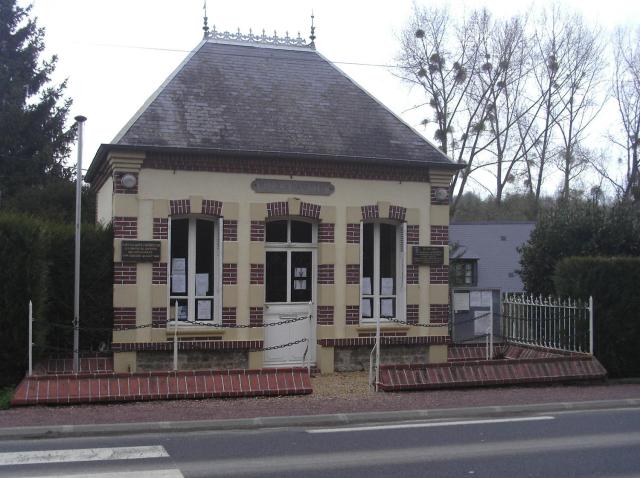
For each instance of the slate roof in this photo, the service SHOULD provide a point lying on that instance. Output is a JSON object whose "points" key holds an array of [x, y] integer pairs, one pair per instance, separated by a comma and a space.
{"points": [[255, 98], [495, 246]]}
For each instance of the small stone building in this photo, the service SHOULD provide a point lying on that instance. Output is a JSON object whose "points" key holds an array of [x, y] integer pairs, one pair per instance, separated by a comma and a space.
{"points": [[260, 184]]}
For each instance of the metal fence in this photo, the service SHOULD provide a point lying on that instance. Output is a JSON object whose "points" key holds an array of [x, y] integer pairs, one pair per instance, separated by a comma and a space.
{"points": [[549, 322]]}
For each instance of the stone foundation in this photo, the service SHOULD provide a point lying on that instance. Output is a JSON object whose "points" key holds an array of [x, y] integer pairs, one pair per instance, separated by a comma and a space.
{"points": [[192, 360], [353, 359]]}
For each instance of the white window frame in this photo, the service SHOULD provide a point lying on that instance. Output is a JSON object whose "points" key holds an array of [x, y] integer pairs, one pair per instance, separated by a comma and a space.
{"points": [[191, 279], [401, 268], [290, 247]]}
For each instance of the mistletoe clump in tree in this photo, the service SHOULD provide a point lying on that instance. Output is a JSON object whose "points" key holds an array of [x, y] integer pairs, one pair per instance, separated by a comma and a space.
{"points": [[33, 140]]}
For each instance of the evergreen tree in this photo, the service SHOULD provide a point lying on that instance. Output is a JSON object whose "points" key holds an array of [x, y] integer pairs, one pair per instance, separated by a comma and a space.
{"points": [[33, 139]]}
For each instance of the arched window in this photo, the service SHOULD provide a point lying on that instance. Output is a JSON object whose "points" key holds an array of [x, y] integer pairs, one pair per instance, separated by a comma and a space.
{"points": [[196, 269]]}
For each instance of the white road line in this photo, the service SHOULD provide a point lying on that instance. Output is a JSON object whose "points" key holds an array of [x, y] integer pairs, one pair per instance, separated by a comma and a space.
{"points": [[83, 454], [429, 424], [119, 474]]}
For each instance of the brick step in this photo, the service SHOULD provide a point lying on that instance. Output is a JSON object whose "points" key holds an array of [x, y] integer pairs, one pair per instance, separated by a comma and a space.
{"points": [[124, 387]]}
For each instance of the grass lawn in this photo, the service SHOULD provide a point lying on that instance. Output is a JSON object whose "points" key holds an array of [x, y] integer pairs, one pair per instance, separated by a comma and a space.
{"points": [[5, 397]]}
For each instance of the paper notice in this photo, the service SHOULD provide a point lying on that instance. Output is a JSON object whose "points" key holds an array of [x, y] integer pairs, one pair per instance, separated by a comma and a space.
{"points": [[202, 284], [386, 308], [475, 299], [182, 312], [486, 298], [482, 322], [178, 266], [460, 301], [386, 286], [366, 286], [365, 307], [300, 272], [204, 310], [299, 284], [178, 283]]}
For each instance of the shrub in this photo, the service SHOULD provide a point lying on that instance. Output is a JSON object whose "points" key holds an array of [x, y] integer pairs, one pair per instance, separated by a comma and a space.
{"points": [[613, 283]]}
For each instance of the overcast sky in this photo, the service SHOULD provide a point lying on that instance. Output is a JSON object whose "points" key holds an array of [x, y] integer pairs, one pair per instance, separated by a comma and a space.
{"points": [[115, 53]]}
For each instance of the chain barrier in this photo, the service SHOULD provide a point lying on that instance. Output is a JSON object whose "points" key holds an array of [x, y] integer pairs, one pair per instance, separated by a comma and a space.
{"points": [[281, 346]]}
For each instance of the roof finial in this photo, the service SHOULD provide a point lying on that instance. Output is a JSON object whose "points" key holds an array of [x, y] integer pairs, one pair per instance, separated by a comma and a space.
{"points": [[313, 32], [205, 27]]}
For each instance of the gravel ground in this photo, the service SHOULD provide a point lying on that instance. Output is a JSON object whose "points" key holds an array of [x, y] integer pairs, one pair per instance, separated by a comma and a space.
{"points": [[337, 393]]}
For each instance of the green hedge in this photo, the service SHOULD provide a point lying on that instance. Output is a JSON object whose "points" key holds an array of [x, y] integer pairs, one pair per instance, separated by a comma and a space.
{"points": [[613, 283], [36, 260]]}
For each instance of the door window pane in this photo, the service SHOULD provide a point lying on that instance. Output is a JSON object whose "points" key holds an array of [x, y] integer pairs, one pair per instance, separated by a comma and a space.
{"points": [[387, 259], [301, 276], [301, 232], [179, 256], [276, 231], [204, 258], [276, 277]]}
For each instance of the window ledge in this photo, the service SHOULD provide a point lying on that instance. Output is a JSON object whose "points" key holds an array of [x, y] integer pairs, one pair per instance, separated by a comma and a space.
{"points": [[189, 329], [386, 327]]}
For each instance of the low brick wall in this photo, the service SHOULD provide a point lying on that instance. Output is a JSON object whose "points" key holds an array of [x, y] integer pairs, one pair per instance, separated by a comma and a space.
{"points": [[355, 359]]}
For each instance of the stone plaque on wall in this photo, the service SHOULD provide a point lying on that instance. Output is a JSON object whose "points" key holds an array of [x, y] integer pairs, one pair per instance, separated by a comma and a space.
{"points": [[140, 251], [427, 255], [292, 186]]}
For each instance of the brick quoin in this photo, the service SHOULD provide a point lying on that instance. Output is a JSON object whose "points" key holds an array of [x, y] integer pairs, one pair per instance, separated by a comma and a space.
{"points": [[413, 234], [439, 275], [439, 235], [159, 273], [160, 228], [125, 273], [257, 231], [229, 230], [180, 206], [413, 311], [118, 188], [257, 273], [353, 233], [326, 273], [276, 209], [125, 227], [353, 273], [228, 316], [310, 210], [211, 207], [230, 274], [326, 232], [439, 313], [352, 314], [412, 274], [397, 212], [159, 317], [286, 167], [256, 316], [124, 317], [370, 212], [325, 315]]}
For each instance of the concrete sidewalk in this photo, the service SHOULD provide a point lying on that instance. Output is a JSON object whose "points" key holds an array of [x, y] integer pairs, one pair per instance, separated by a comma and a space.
{"points": [[337, 399]]}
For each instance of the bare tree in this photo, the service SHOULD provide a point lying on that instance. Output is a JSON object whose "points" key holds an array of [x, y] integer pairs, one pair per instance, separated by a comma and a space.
{"points": [[626, 91]]}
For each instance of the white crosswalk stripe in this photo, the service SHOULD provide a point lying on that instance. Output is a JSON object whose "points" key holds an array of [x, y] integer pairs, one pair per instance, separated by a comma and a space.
{"points": [[82, 454]]}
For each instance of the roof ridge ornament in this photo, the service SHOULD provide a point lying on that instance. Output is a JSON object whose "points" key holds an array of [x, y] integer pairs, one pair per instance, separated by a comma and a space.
{"points": [[263, 39], [205, 27], [312, 37]]}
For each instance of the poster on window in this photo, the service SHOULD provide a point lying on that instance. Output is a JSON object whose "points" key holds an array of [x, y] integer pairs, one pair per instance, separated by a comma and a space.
{"points": [[366, 285], [202, 284], [182, 312], [387, 286], [178, 283], [178, 265], [300, 284], [365, 308], [300, 272], [386, 308], [204, 310]]}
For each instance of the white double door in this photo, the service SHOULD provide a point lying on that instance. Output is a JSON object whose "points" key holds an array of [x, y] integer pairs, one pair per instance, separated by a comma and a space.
{"points": [[290, 280]]}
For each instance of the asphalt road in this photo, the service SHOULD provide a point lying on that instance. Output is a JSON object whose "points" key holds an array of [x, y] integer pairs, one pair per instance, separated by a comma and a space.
{"points": [[581, 444]]}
